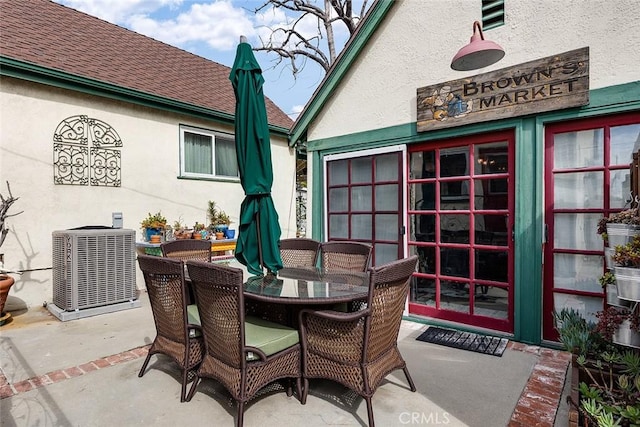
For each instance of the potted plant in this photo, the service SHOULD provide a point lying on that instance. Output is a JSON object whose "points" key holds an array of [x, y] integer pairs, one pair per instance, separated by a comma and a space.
{"points": [[6, 281], [618, 228], [626, 260], [620, 325], [199, 231], [153, 224], [180, 230], [219, 221], [608, 283]]}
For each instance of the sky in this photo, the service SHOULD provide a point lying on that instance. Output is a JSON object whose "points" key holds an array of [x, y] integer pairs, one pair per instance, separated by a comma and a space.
{"points": [[212, 29]]}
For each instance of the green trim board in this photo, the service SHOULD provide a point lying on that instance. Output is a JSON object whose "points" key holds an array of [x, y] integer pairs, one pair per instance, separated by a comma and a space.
{"points": [[42, 75], [529, 210]]}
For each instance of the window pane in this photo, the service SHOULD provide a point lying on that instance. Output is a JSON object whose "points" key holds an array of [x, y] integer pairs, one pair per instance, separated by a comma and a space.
{"points": [[577, 272], [338, 199], [337, 172], [361, 198], [491, 158], [454, 195], [454, 262], [361, 227], [624, 142], [387, 167], [361, 170], [426, 258], [491, 301], [586, 306], [423, 291], [578, 190], [226, 159], [491, 229], [424, 196], [491, 194], [198, 152], [453, 162], [385, 253], [620, 188], [492, 265], [422, 165], [578, 149], [454, 296], [577, 231], [387, 227], [387, 197], [423, 228], [338, 227], [454, 228]]}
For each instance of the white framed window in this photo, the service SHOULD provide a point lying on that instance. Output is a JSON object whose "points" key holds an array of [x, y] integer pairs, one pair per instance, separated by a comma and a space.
{"points": [[207, 154]]}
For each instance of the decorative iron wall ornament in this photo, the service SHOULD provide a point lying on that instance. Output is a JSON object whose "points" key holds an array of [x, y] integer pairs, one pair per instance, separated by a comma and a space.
{"points": [[86, 151]]}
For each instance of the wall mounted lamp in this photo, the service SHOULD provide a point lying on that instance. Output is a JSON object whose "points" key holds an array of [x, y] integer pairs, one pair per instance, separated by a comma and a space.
{"points": [[478, 53]]}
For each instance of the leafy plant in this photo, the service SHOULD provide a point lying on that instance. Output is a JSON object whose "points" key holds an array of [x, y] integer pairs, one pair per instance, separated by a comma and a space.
{"points": [[628, 255], [576, 334], [607, 279], [154, 221], [609, 401], [610, 319], [216, 216]]}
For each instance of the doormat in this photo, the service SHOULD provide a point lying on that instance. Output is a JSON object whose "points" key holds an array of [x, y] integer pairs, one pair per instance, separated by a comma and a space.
{"points": [[479, 343]]}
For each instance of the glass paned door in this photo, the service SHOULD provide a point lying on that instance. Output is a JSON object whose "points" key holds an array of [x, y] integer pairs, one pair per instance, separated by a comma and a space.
{"points": [[586, 177], [460, 223], [364, 202]]}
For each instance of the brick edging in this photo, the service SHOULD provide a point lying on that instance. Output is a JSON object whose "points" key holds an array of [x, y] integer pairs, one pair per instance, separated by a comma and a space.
{"points": [[540, 398], [8, 389]]}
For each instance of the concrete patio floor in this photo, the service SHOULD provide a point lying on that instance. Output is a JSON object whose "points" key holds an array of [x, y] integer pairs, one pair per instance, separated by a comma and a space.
{"points": [[84, 373]]}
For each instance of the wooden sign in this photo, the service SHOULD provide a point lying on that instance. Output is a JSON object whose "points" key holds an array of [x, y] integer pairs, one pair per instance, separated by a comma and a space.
{"points": [[552, 83]]}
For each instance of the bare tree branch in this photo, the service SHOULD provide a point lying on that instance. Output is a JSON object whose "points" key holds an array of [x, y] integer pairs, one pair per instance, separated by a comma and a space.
{"points": [[5, 204], [296, 47]]}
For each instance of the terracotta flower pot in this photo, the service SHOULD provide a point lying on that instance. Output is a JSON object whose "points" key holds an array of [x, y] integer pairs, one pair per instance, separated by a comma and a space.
{"points": [[5, 284]]}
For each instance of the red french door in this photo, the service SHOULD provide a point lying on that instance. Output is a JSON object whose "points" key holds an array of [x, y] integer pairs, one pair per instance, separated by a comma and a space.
{"points": [[460, 217], [586, 177]]}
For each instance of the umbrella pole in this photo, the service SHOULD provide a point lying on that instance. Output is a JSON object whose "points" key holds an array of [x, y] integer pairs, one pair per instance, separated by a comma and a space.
{"points": [[259, 240]]}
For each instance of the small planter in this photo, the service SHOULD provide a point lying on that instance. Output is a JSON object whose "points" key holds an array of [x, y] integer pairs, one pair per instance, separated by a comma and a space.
{"points": [[612, 297], [628, 283], [624, 335], [621, 234], [148, 232]]}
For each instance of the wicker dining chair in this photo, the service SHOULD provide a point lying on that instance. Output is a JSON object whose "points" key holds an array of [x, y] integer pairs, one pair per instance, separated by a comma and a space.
{"points": [[178, 333], [359, 349], [349, 256], [187, 250], [244, 354], [299, 252]]}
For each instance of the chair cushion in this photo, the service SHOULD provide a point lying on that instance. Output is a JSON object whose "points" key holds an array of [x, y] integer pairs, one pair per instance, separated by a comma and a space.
{"points": [[268, 336]]}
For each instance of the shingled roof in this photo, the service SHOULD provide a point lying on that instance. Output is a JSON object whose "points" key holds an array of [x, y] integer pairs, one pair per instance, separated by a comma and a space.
{"points": [[56, 37]]}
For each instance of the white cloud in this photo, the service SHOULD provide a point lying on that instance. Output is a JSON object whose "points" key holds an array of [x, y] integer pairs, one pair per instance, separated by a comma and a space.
{"points": [[218, 24], [295, 111]]}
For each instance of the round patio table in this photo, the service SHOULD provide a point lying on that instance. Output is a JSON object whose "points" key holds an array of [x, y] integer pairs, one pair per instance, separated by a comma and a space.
{"points": [[302, 286]]}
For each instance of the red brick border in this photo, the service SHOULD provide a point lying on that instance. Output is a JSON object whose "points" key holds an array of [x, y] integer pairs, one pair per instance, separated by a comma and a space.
{"points": [[539, 401], [8, 389]]}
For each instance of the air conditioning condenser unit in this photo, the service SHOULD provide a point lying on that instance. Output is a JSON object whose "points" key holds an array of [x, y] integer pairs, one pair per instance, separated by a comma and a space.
{"points": [[94, 272]]}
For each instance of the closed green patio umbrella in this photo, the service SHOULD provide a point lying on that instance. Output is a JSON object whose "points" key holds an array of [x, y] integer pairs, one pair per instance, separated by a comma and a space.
{"points": [[258, 231]]}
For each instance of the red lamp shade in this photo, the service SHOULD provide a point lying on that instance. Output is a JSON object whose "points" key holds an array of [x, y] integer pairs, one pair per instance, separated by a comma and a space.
{"points": [[478, 53]]}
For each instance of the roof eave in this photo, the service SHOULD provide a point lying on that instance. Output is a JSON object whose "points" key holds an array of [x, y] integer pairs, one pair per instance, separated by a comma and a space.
{"points": [[35, 73]]}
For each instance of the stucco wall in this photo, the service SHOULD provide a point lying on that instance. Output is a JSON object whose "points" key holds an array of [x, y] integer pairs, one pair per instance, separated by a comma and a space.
{"points": [[414, 45], [29, 115]]}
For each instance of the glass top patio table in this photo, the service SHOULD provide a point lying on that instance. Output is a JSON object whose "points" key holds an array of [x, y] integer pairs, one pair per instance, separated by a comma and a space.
{"points": [[308, 286]]}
